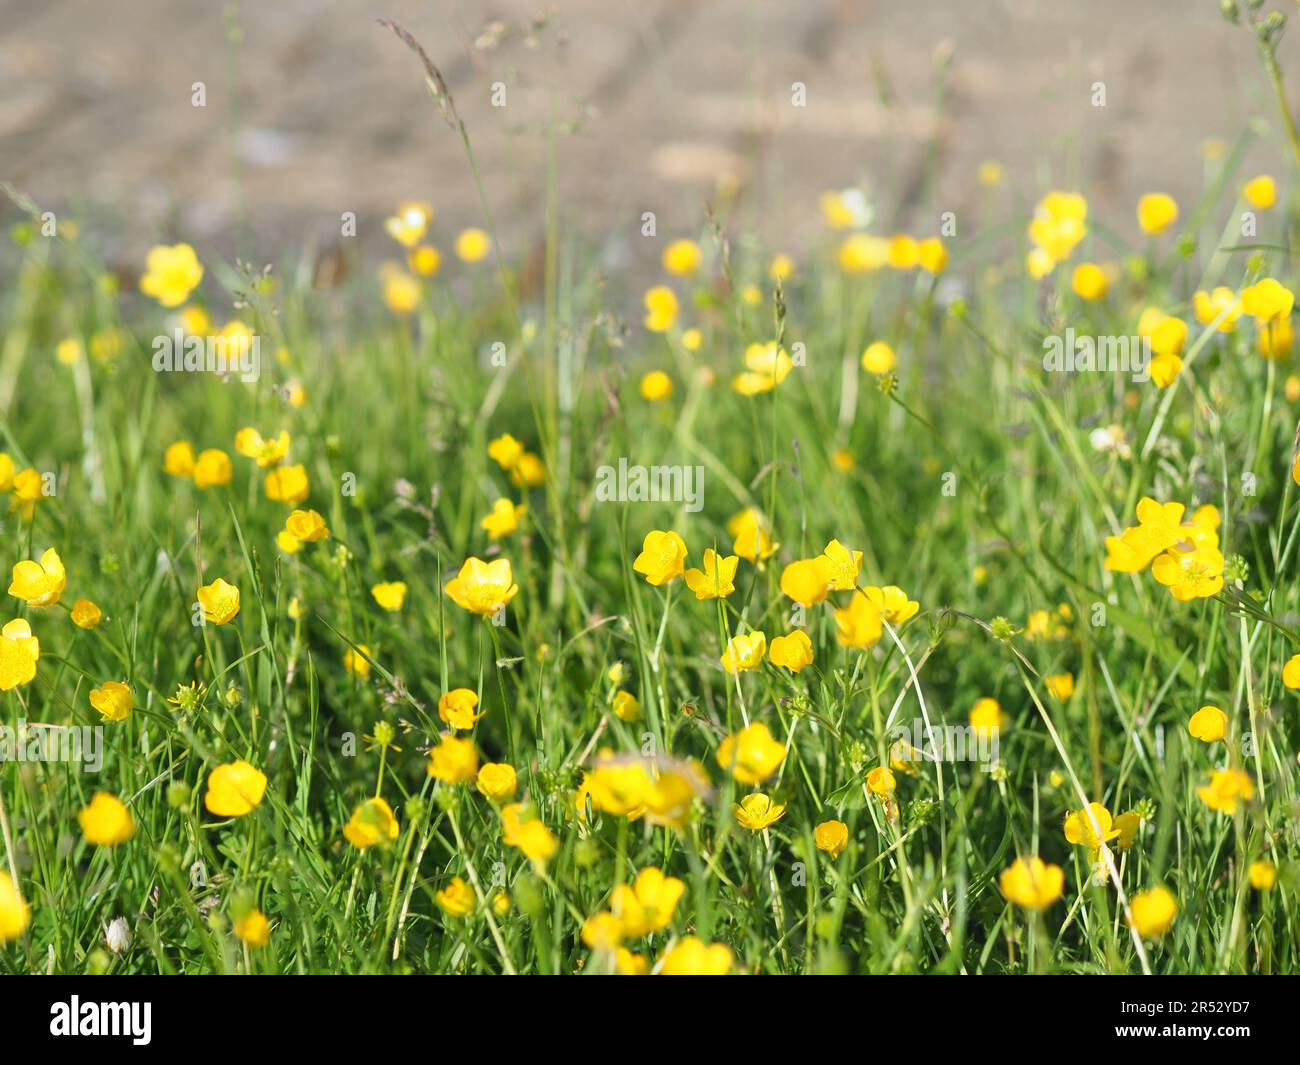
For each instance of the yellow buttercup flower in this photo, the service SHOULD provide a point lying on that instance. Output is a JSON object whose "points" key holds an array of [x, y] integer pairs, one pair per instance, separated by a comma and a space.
{"points": [[1260, 192], [453, 761], [503, 518], [756, 812], [1227, 790], [750, 539], [401, 291], [371, 823], [893, 603], [1059, 685], [1267, 300], [860, 624], [691, 957], [1089, 282], [1262, 875], [1208, 306], [793, 651], [862, 253], [288, 484], [780, 267], [831, 837], [752, 754], [626, 706], [662, 557], [172, 272], [602, 931], [986, 716], [844, 566], [682, 257], [39, 583], [505, 451], [19, 653], [234, 789], [220, 602], [410, 223], [1291, 673], [457, 706], [744, 652], [656, 386], [390, 595], [1153, 912], [85, 614], [1031, 883], [106, 822], [266, 452], [113, 700], [501, 904], [618, 787], [717, 579], [529, 471], [1195, 574], [497, 780], [472, 245], [1208, 724], [253, 928], [1159, 528], [357, 660], [881, 781], [483, 588], [878, 358], [808, 581], [1156, 212], [932, 255], [1091, 826], [647, 904], [661, 309], [425, 260], [456, 899], [178, 459], [766, 366], [1275, 339], [15, 913], [306, 526], [212, 468], [904, 253], [536, 841]]}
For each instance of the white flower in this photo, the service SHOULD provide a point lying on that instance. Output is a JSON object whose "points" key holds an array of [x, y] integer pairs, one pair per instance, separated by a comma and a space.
{"points": [[117, 935]]}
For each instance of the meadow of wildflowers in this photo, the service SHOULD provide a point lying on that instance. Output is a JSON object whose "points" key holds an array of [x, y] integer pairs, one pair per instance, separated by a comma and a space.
{"points": [[910, 602]]}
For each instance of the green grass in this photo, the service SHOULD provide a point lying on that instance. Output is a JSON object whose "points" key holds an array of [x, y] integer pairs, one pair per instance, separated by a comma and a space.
{"points": [[973, 485]]}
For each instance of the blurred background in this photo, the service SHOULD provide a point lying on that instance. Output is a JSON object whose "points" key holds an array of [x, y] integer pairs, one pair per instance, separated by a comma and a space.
{"points": [[312, 109]]}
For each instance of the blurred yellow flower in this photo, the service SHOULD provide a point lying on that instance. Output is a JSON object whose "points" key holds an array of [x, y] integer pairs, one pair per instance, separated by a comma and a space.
{"points": [[682, 257], [172, 272], [371, 823], [106, 822], [753, 755], [1031, 883], [1209, 724], [453, 761], [472, 245], [1153, 912], [1156, 212]]}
